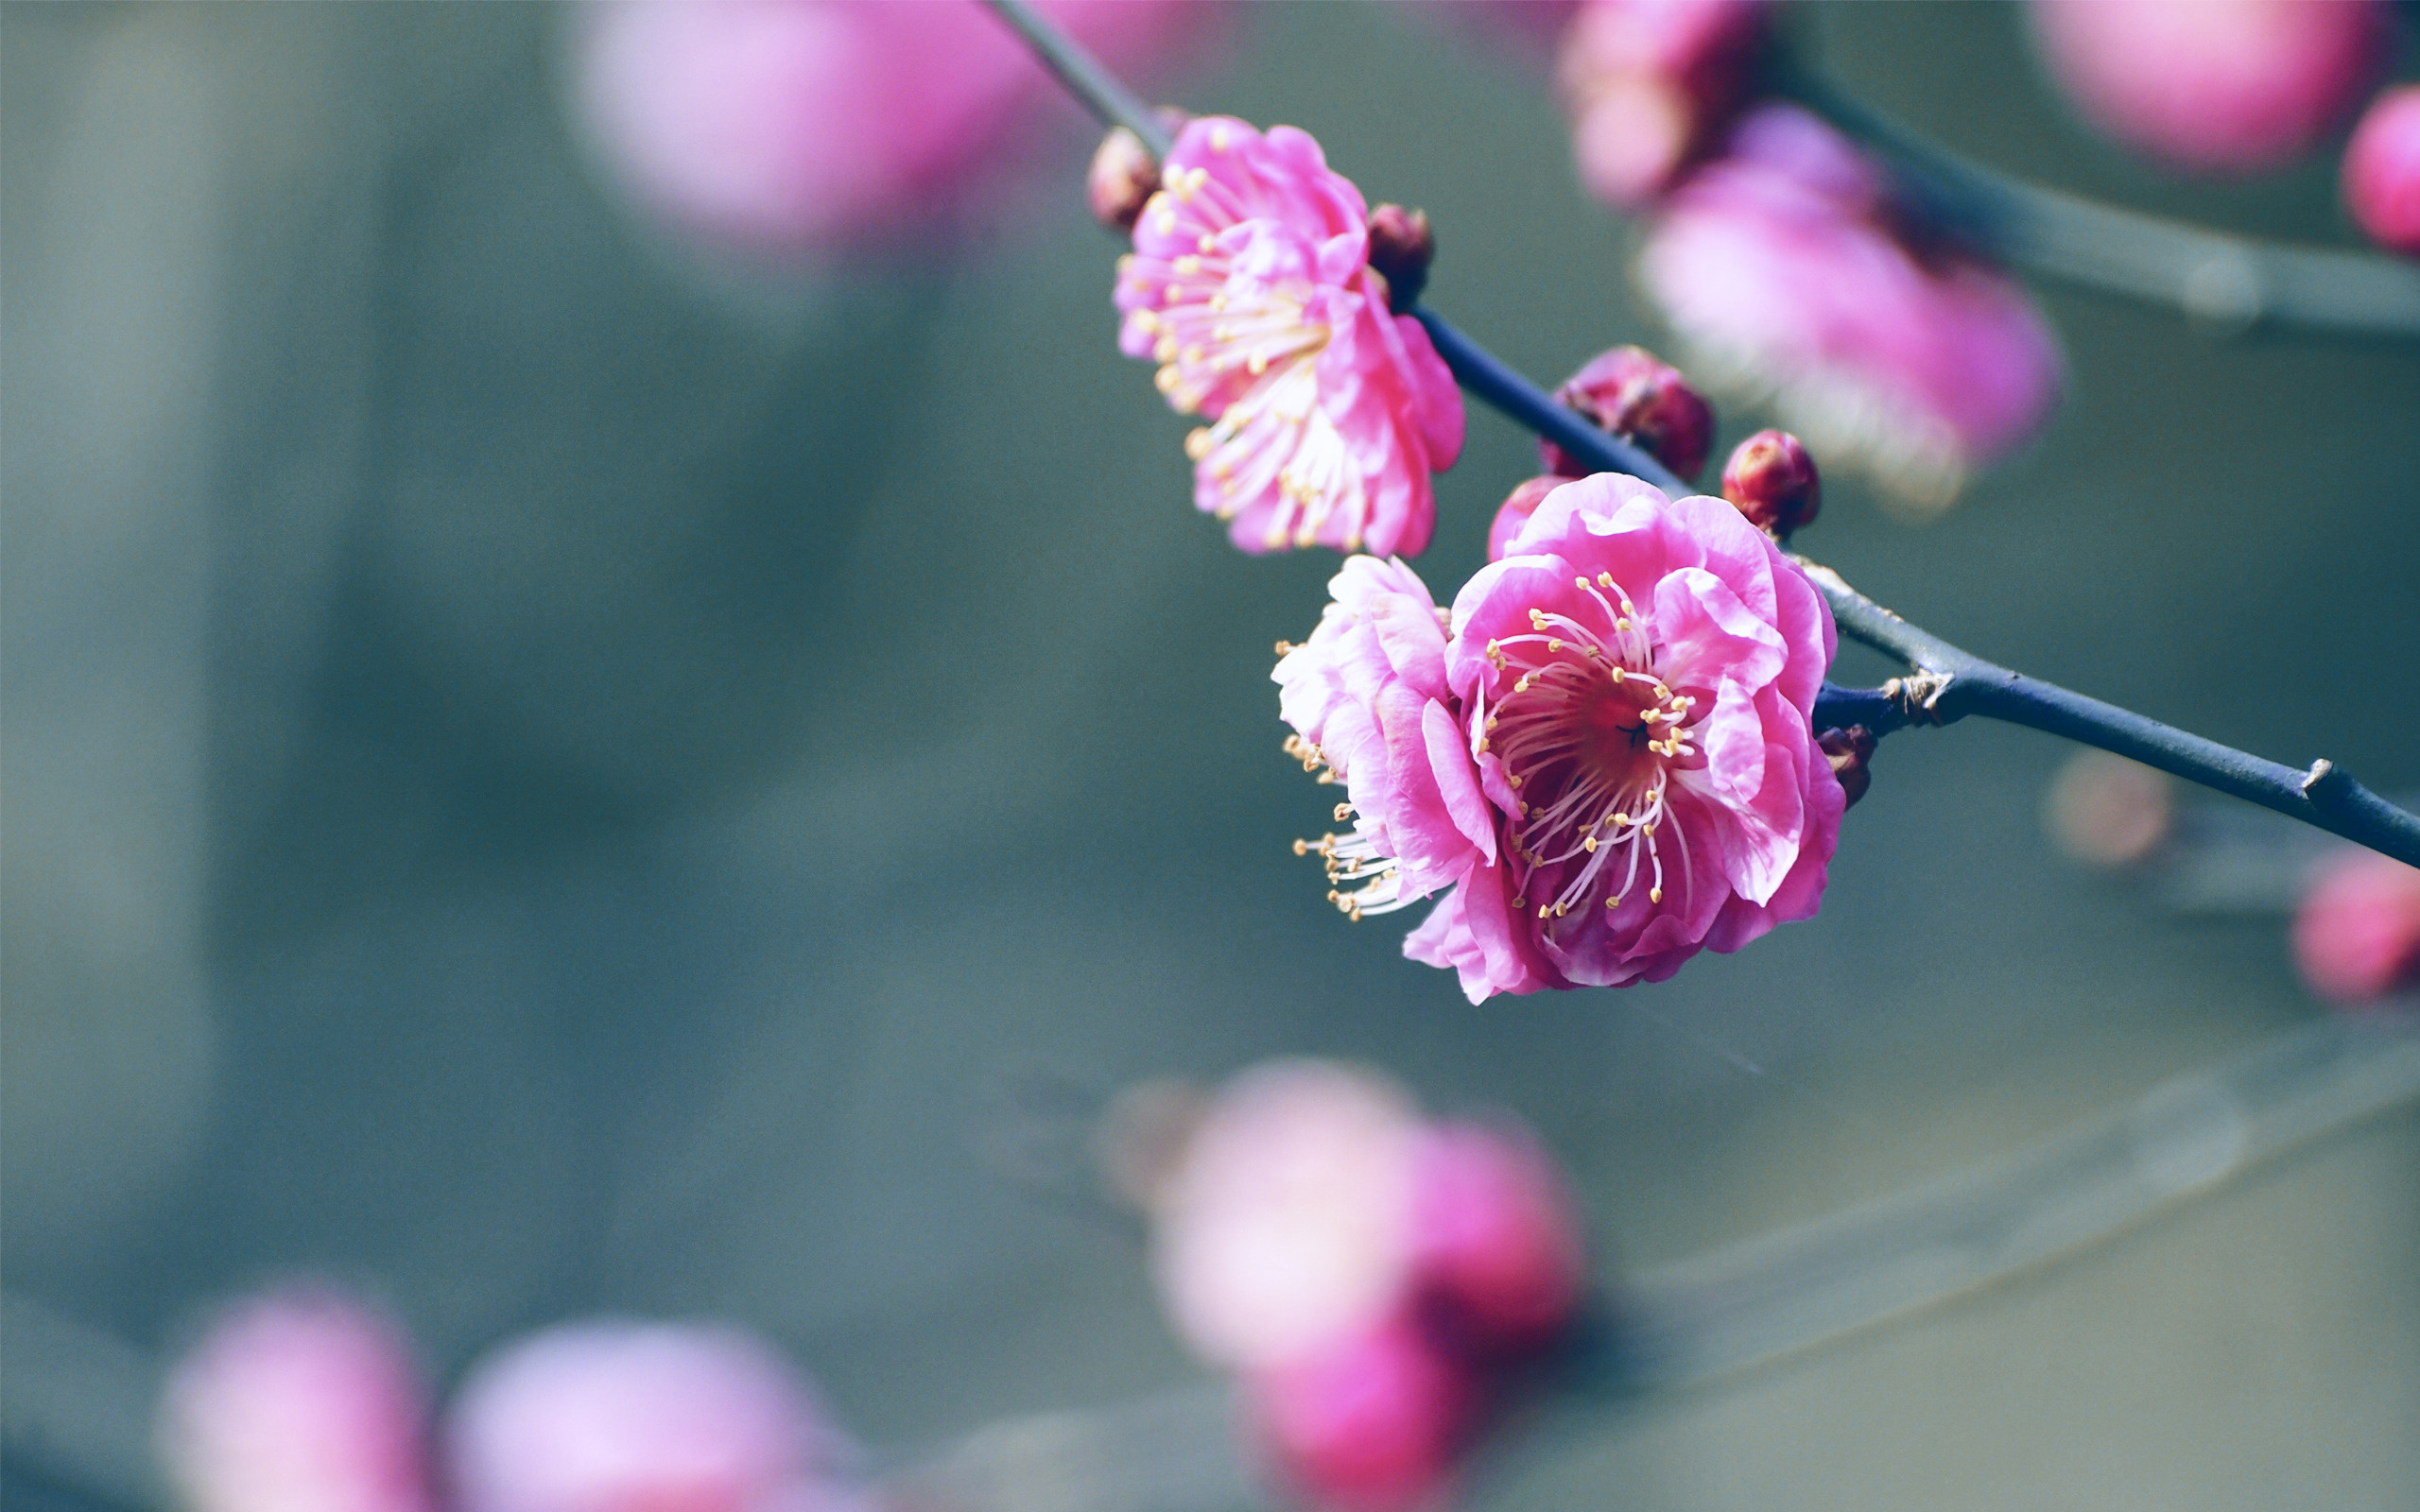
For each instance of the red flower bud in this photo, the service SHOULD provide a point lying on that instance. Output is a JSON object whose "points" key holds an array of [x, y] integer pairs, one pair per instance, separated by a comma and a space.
{"points": [[1123, 175], [1646, 403], [1495, 1244], [2383, 171], [1400, 247], [1849, 750], [1514, 512], [1370, 1423], [2356, 935], [1772, 480]]}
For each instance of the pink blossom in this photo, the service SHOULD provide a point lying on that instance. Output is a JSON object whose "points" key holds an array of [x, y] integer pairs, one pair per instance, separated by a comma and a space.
{"points": [[1516, 509], [1610, 758], [791, 125], [1649, 83], [1370, 1422], [1779, 266], [301, 1401], [2383, 171], [1286, 1225], [1494, 1242], [1249, 286], [2356, 935], [2216, 85], [643, 1417]]}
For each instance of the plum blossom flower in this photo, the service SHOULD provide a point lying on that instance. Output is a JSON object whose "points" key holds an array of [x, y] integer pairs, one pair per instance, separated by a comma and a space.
{"points": [[2356, 931], [616, 1416], [2383, 171], [298, 1401], [790, 126], [1780, 265], [1249, 286], [2216, 86], [1610, 759]]}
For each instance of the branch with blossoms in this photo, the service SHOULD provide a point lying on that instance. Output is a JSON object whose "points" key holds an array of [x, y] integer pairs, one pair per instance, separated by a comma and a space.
{"points": [[1617, 747]]}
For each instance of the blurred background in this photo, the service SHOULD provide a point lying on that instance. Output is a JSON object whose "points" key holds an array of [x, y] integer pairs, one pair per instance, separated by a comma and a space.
{"points": [[551, 774]]}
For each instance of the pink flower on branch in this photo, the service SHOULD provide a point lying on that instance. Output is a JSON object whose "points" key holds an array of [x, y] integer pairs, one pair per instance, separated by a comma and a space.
{"points": [[1249, 285], [1609, 758]]}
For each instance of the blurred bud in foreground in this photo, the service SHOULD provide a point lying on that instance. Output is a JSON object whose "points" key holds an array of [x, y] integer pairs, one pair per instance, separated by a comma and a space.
{"points": [[1401, 245], [2222, 86], [1773, 482], [1784, 266], [2106, 810], [301, 1401], [1649, 83], [2357, 933], [799, 126], [1849, 752], [643, 1417], [1515, 511], [1381, 1283], [2383, 171], [1643, 400], [1123, 176]]}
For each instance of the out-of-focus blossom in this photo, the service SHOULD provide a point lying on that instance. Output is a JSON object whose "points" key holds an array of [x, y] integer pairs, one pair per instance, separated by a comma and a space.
{"points": [[2106, 810], [1650, 84], [1122, 179], [1634, 395], [643, 1417], [1286, 1225], [799, 125], [301, 1401], [1516, 509], [2383, 171], [2216, 85], [1496, 1247], [2357, 934], [1612, 757], [1370, 1423], [1773, 482], [1249, 286], [1780, 266]]}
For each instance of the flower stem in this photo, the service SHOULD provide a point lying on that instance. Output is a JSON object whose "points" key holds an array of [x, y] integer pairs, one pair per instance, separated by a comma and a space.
{"points": [[2232, 283], [1099, 91], [1947, 683]]}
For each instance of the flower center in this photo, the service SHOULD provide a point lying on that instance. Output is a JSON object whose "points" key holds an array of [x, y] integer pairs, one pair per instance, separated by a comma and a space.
{"points": [[1591, 738]]}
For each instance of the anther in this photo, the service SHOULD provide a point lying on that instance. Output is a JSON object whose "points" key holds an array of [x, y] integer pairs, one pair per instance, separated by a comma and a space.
{"points": [[1654, 895]]}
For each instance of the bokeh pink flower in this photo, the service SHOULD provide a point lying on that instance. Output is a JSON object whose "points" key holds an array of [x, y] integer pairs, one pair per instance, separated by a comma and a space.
{"points": [[1610, 756], [1249, 286], [2216, 86], [1650, 84], [298, 1401], [1783, 268], [625, 1417], [2383, 171], [2356, 931], [790, 126]]}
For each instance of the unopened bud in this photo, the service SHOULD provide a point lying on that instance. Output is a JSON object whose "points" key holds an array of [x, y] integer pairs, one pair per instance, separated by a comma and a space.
{"points": [[1644, 400], [2383, 171], [1124, 175], [1400, 247], [1772, 481], [1514, 512], [1850, 751]]}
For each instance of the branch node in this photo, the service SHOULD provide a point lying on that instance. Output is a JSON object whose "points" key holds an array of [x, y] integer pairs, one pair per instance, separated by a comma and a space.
{"points": [[1918, 696]]}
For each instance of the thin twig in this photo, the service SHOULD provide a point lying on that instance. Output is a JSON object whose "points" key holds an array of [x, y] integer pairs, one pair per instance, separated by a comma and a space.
{"points": [[1948, 683], [2233, 283]]}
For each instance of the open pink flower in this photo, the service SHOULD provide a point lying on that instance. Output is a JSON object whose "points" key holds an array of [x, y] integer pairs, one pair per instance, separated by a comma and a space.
{"points": [[1780, 268], [2226, 86], [1611, 757], [301, 1401], [791, 125], [1249, 286], [643, 1417]]}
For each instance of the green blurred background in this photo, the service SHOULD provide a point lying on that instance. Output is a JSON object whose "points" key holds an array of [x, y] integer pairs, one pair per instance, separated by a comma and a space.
{"points": [[543, 779]]}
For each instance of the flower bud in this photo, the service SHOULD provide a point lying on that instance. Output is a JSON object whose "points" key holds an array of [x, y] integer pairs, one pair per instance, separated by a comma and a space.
{"points": [[1850, 751], [1371, 1423], [1646, 403], [1515, 511], [1772, 480], [2356, 935], [2383, 171], [1495, 1244], [1400, 247], [1123, 175]]}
